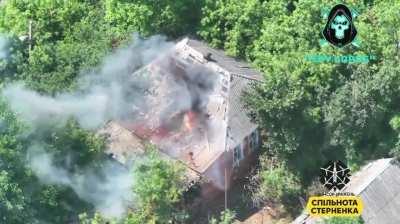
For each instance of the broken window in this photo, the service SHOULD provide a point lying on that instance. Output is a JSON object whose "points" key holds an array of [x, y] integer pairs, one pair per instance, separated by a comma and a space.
{"points": [[237, 154], [254, 140]]}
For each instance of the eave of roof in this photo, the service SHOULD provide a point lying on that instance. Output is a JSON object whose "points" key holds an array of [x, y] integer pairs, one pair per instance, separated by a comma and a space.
{"points": [[233, 65]]}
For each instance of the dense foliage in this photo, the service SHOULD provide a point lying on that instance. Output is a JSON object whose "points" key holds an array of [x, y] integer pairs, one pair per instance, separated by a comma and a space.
{"points": [[314, 112], [337, 220], [158, 188], [149, 17], [226, 217], [308, 112], [24, 198], [47, 45]]}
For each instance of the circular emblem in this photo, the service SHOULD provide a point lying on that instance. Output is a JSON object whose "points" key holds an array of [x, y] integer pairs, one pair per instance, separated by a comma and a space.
{"points": [[334, 175], [339, 29]]}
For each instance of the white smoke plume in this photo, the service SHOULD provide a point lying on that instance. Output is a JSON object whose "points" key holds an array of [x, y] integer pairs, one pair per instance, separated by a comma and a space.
{"points": [[106, 93], [109, 92], [108, 189]]}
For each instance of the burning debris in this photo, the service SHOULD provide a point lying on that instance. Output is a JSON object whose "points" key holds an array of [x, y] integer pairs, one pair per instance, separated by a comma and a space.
{"points": [[175, 90], [176, 116]]}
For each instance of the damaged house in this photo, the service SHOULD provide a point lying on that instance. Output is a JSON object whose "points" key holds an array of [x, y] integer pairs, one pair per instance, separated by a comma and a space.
{"points": [[193, 113]]}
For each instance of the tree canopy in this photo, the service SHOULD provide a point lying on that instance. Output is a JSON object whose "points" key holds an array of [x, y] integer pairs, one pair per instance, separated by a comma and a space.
{"points": [[308, 112]]}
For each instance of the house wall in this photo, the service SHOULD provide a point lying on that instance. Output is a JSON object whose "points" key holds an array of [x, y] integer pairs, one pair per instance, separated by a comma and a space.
{"points": [[249, 149], [216, 175], [225, 163]]}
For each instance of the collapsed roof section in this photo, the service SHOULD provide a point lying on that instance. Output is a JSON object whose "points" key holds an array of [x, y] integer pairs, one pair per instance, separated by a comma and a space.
{"points": [[193, 110], [185, 114], [123, 146]]}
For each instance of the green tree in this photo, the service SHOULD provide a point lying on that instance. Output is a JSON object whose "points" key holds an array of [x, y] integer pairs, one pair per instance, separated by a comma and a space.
{"points": [[233, 25], [14, 205], [227, 217], [173, 18], [67, 37], [14, 58], [313, 112], [158, 189], [337, 220], [23, 198], [12, 201], [277, 184], [84, 148], [309, 110], [359, 113], [97, 219], [288, 104]]}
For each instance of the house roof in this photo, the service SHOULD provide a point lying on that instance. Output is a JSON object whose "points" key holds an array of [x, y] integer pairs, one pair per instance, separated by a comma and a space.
{"points": [[378, 184], [197, 146], [121, 143], [242, 77], [123, 146], [231, 64], [200, 147], [239, 123]]}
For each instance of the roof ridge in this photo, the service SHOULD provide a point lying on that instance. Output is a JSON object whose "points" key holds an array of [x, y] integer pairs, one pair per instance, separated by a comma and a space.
{"points": [[246, 77]]}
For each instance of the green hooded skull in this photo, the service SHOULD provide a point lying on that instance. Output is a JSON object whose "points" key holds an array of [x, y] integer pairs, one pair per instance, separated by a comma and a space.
{"points": [[340, 24], [339, 29]]}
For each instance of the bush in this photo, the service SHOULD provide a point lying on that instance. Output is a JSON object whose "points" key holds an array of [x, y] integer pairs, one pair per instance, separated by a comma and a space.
{"points": [[277, 184], [227, 217], [339, 220]]}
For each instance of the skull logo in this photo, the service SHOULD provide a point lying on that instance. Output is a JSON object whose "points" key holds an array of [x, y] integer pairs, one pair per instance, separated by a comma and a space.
{"points": [[340, 24], [339, 29]]}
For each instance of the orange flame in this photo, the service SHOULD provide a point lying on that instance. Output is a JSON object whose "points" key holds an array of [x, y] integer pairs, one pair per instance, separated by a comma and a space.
{"points": [[189, 120]]}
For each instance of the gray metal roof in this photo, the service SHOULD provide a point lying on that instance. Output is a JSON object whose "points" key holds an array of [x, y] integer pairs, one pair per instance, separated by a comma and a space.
{"points": [[381, 198], [242, 76], [239, 123], [231, 64]]}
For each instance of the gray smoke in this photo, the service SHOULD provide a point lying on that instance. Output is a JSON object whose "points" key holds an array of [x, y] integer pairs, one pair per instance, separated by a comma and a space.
{"points": [[109, 92], [119, 89], [187, 88], [109, 189]]}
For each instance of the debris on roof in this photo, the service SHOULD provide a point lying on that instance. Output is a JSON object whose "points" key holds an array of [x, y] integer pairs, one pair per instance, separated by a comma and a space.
{"points": [[193, 110], [122, 145]]}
